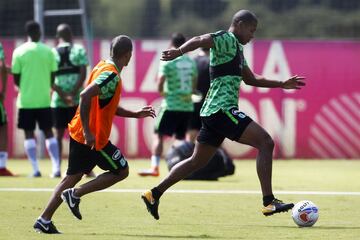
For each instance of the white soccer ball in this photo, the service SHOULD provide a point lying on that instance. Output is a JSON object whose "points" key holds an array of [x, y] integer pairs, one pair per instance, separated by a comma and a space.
{"points": [[305, 213]]}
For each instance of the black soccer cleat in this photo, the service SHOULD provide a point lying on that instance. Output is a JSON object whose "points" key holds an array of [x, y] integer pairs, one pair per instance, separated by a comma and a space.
{"points": [[276, 206], [151, 203], [72, 202], [48, 228]]}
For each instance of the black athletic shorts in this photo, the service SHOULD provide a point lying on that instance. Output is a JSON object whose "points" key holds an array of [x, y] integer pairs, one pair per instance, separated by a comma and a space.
{"points": [[195, 120], [3, 117], [82, 159], [62, 116], [172, 123], [27, 118], [223, 124]]}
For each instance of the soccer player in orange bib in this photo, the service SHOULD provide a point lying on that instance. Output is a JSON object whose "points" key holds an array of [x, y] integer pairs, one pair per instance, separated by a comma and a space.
{"points": [[89, 133]]}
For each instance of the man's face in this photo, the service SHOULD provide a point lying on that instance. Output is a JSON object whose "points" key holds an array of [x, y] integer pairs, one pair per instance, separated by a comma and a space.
{"points": [[127, 58], [246, 32]]}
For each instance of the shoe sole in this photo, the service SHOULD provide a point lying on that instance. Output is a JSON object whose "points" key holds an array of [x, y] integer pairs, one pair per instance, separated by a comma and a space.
{"points": [[148, 206], [38, 230], [149, 174], [280, 211]]}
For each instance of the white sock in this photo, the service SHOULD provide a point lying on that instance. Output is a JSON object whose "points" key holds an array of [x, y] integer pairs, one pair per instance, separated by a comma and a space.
{"points": [[3, 159], [53, 150], [155, 161], [30, 150], [44, 221]]}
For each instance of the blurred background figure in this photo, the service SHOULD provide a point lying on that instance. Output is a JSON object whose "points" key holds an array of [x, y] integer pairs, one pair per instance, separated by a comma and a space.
{"points": [[176, 83], [72, 61], [202, 86], [34, 67], [3, 118]]}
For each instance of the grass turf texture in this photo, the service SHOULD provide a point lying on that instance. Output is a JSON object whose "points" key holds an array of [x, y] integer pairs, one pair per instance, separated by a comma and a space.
{"points": [[119, 215]]}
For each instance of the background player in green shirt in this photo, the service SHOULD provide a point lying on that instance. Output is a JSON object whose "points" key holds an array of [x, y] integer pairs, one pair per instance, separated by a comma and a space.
{"points": [[3, 118], [72, 61], [34, 66], [202, 61], [220, 115], [176, 83]]}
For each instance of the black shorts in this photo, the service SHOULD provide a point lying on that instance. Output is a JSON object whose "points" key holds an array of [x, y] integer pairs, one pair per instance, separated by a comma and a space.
{"points": [[3, 117], [223, 124], [172, 123], [82, 159], [195, 120], [28, 118], [62, 116]]}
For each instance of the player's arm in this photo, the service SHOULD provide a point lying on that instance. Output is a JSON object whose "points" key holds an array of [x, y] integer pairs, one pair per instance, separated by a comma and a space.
{"points": [[63, 95], [160, 84], [194, 83], [295, 82], [146, 111], [3, 74], [204, 41], [85, 103], [80, 81], [16, 79]]}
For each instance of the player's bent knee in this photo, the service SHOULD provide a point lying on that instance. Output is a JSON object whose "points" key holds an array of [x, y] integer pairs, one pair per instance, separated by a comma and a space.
{"points": [[121, 173], [266, 143], [269, 142]]}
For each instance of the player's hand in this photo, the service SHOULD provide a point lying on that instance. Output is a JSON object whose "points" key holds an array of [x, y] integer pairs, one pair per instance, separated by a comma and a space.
{"points": [[295, 82], [89, 139], [170, 54], [68, 99], [147, 111]]}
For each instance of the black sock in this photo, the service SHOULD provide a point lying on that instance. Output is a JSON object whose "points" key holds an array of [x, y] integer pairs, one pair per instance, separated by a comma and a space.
{"points": [[268, 199], [156, 193]]}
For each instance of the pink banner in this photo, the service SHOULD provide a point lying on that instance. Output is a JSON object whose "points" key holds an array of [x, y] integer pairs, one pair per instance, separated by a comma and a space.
{"points": [[319, 121]]}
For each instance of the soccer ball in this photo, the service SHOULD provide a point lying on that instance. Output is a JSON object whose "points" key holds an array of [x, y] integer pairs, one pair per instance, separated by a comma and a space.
{"points": [[305, 213]]}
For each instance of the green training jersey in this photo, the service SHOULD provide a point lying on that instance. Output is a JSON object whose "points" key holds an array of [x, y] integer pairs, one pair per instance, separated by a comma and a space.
{"points": [[226, 63], [2, 55], [178, 86], [35, 62], [67, 80]]}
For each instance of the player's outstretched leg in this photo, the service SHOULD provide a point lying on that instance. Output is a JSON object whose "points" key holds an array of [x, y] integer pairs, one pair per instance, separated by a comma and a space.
{"points": [[151, 203], [48, 227], [72, 202], [276, 206]]}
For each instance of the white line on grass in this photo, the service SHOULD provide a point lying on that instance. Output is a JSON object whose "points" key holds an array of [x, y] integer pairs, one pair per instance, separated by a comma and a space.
{"points": [[193, 191]]}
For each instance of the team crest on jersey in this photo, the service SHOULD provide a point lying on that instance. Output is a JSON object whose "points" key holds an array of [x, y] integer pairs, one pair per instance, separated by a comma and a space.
{"points": [[116, 155], [238, 113], [122, 162]]}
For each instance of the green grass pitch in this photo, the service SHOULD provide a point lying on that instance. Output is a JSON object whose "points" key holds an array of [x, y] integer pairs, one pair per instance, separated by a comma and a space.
{"points": [[120, 214]]}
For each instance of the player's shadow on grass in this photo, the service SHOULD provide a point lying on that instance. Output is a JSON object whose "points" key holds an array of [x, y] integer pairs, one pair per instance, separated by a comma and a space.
{"points": [[317, 227], [201, 236]]}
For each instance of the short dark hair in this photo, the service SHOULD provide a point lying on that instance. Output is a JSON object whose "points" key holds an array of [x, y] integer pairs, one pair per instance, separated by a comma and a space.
{"points": [[120, 45], [32, 28], [63, 31], [177, 39], [244, 16]]}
